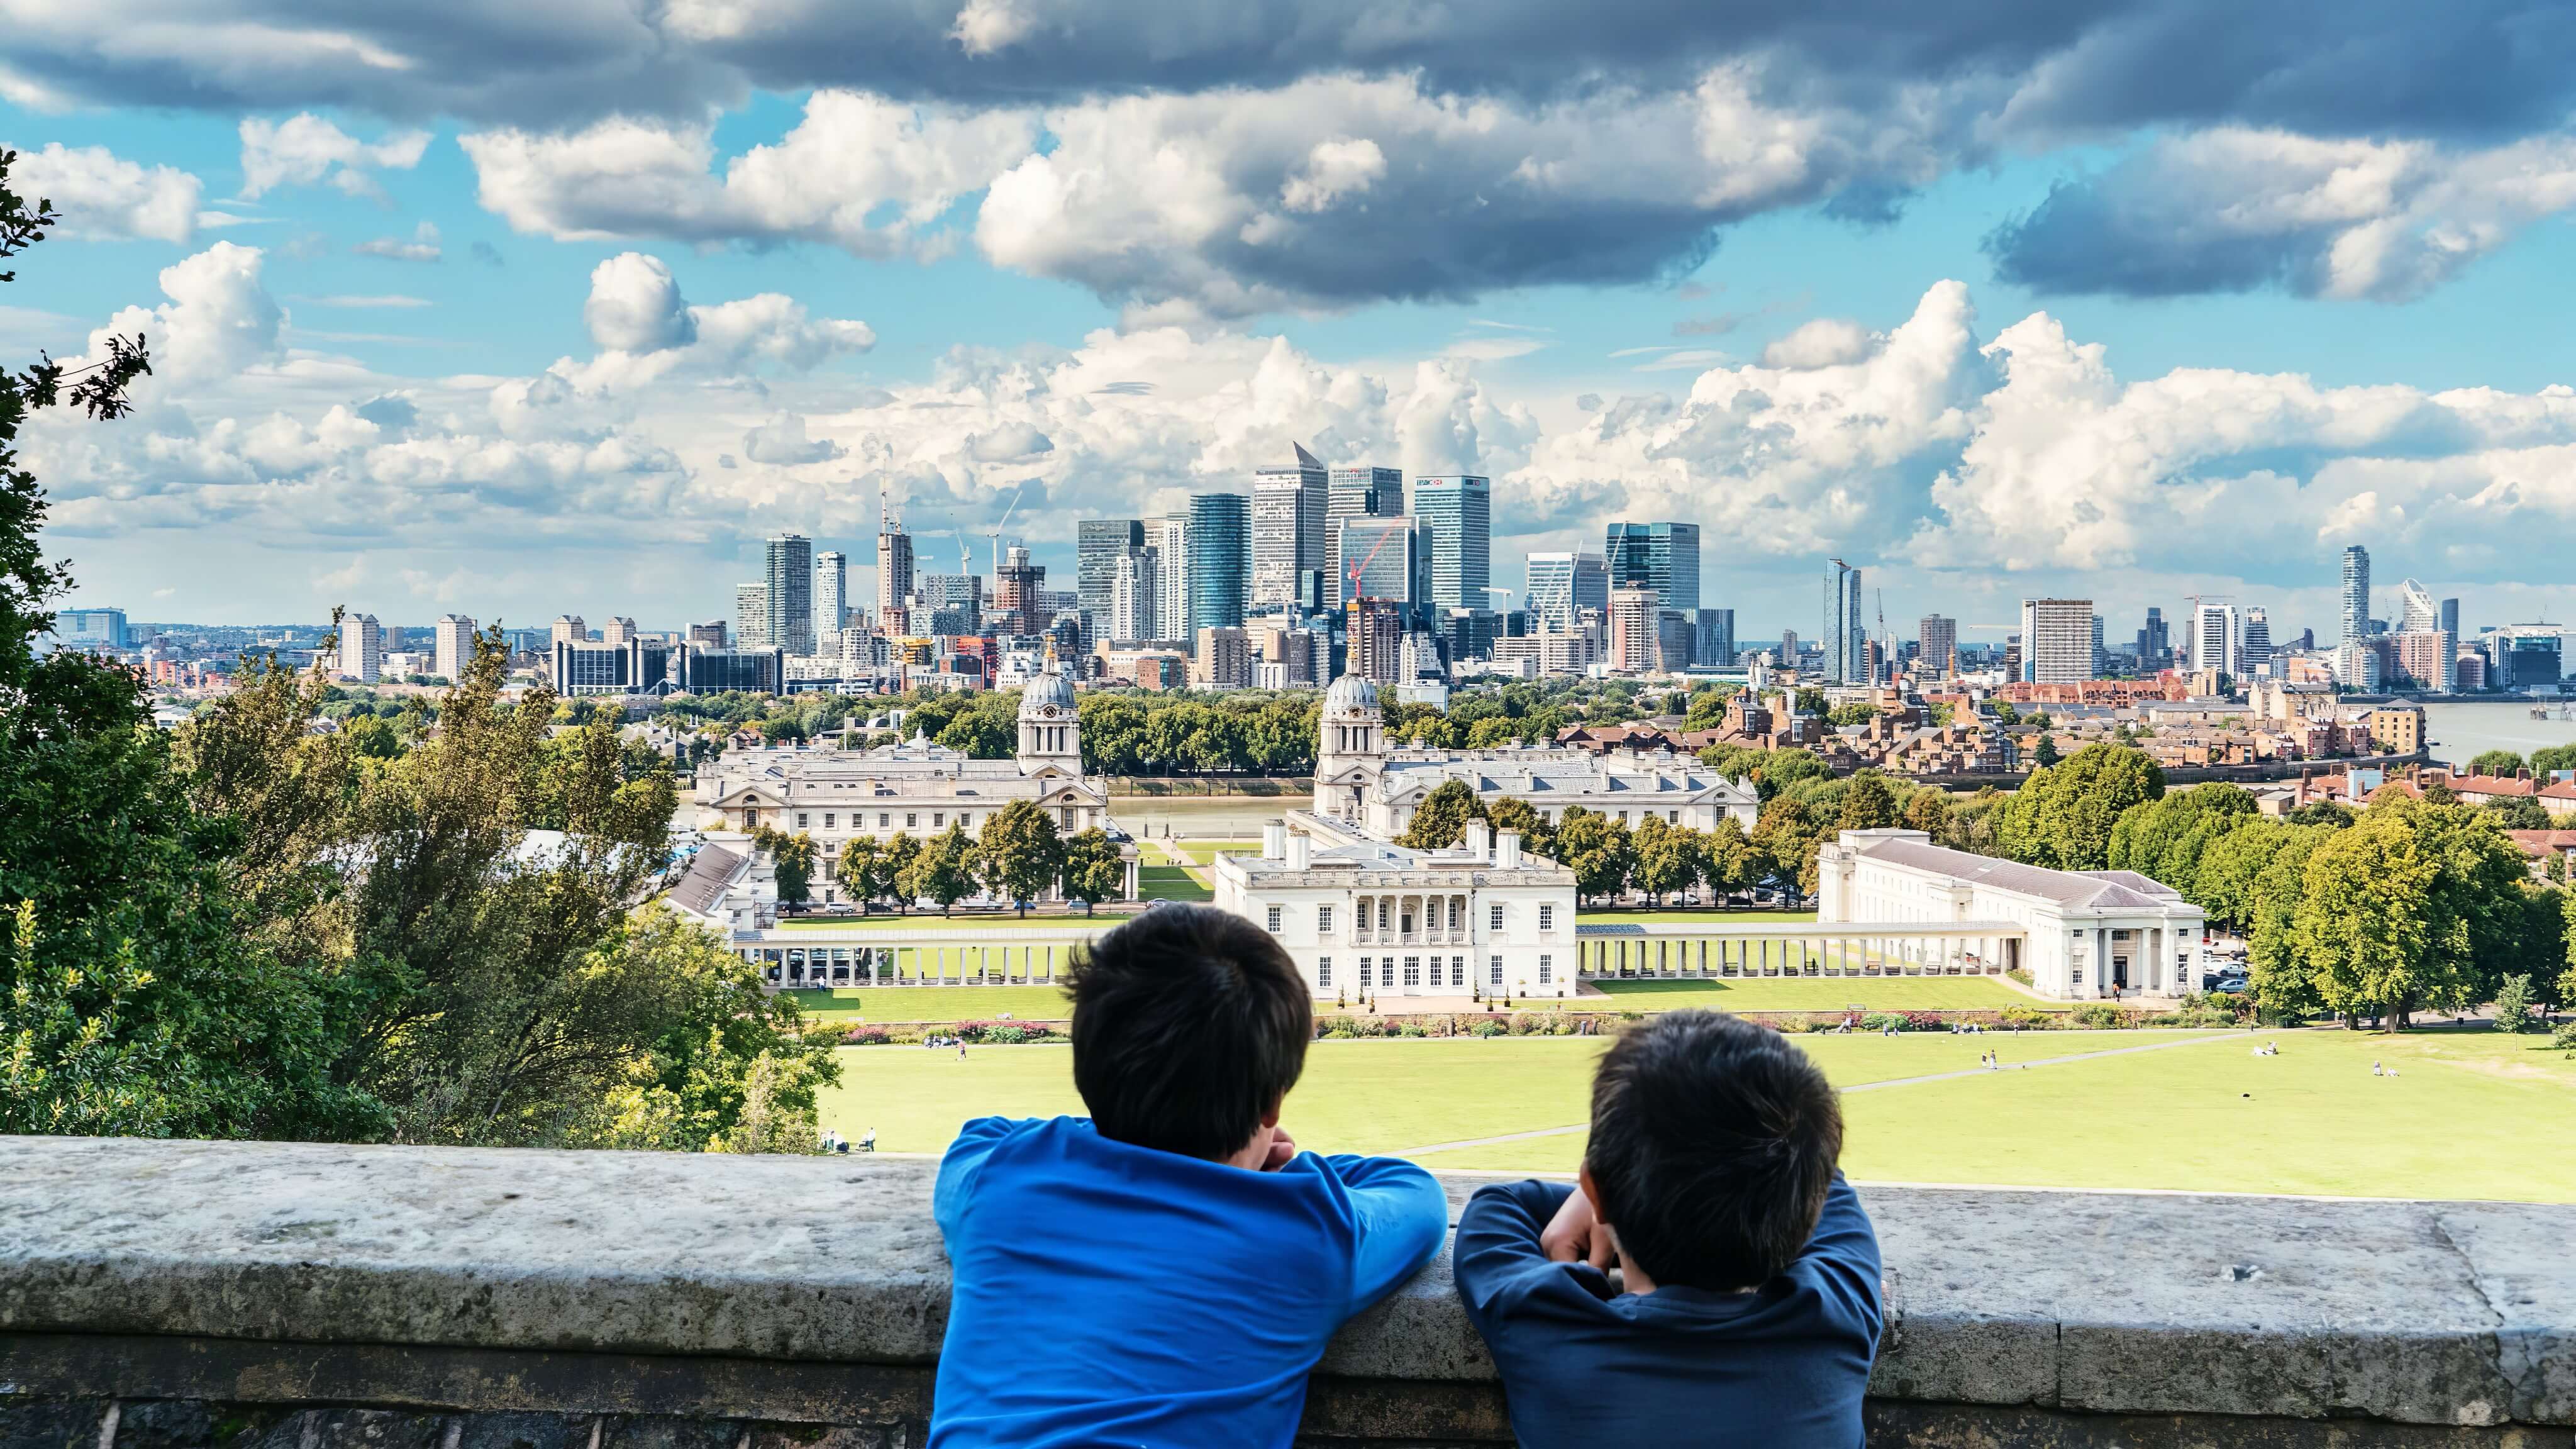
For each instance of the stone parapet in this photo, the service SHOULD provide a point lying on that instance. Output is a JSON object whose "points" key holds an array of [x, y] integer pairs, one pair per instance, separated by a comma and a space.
{"points": [[302, 1294]]}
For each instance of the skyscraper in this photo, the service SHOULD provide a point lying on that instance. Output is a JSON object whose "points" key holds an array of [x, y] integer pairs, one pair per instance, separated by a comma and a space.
{"points": [[2418, 612], [2154, 642], [1846, 653], [2056, 640], [1634, 638], [750, 617], [2217, 641], [451, 646], [1377, 640], [1713, 644], [1098, 544], [1287, 528], [2451, 618], [1563, 585], [1455, 516], [831, 592], [1015, 593], [619, 630], [1659, 556], [362, 648], [568, 629], [1381, 559], [2101, 657], [791, 592], [2356, 593], [1355, 493], [2254, 640], [1936, 646], [894, 564], [1220, 560], [1169, 538]]}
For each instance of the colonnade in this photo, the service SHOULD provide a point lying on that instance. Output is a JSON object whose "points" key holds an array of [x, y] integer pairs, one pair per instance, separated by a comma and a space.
{"points": [[1682, 952], [913, 958]]}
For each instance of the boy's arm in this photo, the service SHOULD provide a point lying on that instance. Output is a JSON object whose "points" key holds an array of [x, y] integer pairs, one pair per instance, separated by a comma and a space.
{"points": [[965, 1158], [1843, 1253], [1498, 1239], [1401, 1215]]}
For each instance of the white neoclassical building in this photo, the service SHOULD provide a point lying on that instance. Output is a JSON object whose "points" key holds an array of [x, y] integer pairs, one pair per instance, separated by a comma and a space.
{"points": [[912, 787], [1364, 782], [1361, 916], [2087, 934]]}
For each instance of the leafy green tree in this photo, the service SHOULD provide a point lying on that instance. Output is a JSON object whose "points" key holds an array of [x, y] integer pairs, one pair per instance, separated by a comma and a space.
{"points": [[2551, 759], [1667, 858], [863, 872], [2400, 911], [2166, 838], [1513, 813], [1596, 848], [1929, 811], [1868, 803], [901, 865], [2513, 1005], [2324, 812], [1789, 837], [792, 856], [1785, 768], [2496, 762], [1441, 819], [2045, 754], [2063, 816], [1708, 707], [1021, 853], [1810, 701], [987, 729], [2519, 812], [1727, 861], [1093, 871], [945, 869], [2006, 713]]}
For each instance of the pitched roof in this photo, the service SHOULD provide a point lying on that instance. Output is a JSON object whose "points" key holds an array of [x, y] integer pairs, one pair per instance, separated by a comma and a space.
{"points": [[2112, 890], [703, 888]]}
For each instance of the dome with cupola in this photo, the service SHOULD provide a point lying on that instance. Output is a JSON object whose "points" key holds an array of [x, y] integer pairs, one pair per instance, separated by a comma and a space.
{"points": [[1048, 696], [1351, 694]]}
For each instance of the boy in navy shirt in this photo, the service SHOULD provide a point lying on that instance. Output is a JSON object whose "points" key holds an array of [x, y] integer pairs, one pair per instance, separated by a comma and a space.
{"points": [[1751, 1306], [1167, 1271]]}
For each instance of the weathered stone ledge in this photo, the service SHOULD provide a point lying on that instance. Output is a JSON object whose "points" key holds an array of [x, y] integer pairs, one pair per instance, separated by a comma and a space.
{"points": [[813, 1291]]}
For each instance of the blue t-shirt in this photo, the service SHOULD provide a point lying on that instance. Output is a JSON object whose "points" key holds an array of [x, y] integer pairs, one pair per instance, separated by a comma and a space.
{"points": [[1782, 1367], [1110, 1294]]}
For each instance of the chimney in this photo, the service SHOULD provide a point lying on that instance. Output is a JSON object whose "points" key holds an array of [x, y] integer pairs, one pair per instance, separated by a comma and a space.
{"points": [[1274, 840], [1480, 840], [1299, 846], [1507, 850]]}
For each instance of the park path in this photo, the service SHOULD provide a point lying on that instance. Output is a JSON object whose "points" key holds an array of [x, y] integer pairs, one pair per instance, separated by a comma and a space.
{"points": [[2155, 1046]]}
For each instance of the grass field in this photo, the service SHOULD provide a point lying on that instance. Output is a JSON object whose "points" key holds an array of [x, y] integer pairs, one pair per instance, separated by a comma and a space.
{"points": [[1679, 917], [1171, 883], [1110, 915], [2470, 1115], [1808, 993], [932, 1003]]}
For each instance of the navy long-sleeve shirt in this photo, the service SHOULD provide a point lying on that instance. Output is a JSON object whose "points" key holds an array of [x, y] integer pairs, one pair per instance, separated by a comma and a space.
{"points": [[1782, 1367], [1107, 1294]]}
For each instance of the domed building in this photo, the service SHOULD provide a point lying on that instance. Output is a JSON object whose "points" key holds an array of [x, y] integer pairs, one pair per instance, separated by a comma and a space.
{"points": [[1365, 781], [914, 787]]}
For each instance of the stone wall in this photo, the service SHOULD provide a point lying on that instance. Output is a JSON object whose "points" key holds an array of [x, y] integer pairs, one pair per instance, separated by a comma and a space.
{"points": [[170, 1294]]}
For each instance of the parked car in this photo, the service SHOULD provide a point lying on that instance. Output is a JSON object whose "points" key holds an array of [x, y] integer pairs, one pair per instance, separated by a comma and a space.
{"points": [[2225, 983]]}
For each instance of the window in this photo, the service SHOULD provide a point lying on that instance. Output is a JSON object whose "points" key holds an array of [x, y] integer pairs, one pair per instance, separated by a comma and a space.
{"points": [[938, 817], [1382, 908], [1496, 967], [1494, 919], [1324, 920], [910, 819], [882, 820], [1457, 971], [1546, 972], [1323, 973], [829, 820], [1547, 917], [1386, 971], [1274, 920], [800, 819], [1413, 970]]}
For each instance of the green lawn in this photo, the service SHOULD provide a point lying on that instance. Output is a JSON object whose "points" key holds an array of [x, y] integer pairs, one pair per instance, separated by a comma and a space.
{"points": [[1109, 915], [932, 1003], [1808, 993], [1679, 917], [1205, 852], [1171, 883], [2470, 1115]]}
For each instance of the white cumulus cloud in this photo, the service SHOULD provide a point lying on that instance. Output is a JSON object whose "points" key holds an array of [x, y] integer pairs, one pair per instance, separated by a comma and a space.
{"points": [[306, 150], [103, 195]]}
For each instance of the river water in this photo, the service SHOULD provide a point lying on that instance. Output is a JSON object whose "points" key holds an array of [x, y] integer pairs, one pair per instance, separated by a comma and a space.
{"points": [[2459, 732]]}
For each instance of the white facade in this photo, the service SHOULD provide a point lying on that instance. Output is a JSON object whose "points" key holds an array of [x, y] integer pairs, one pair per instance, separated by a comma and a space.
{"points": [[914, 787], [1360, 916], [2090, 933], [1364, 783], [2057, 640], [362, 648], [451, 646]]}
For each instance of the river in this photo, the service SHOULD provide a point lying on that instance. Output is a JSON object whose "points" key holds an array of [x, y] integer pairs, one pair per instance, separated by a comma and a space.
{"points": [[2459, 732]]}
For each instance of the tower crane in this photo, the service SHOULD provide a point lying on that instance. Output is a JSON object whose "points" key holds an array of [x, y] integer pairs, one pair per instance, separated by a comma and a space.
{"points": [[995, 534]]}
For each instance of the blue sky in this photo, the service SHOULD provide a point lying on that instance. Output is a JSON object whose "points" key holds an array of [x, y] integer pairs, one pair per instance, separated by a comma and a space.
{"points": [[560, 308]]}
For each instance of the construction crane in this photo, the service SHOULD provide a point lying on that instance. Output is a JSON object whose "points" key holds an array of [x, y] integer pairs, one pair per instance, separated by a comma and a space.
{"points": [[995, 534], [1886, 655]]}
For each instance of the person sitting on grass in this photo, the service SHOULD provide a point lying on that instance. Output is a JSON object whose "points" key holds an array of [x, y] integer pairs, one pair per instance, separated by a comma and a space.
{"points": [[1168, 1270], [1751, 1309]]}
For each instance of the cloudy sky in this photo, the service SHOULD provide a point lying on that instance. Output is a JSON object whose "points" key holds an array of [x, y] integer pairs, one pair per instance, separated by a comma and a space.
{"points": [[516, 307]]}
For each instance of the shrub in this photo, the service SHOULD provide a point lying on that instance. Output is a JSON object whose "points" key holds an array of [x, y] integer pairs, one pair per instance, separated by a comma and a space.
{"points": [[1341, 1033], [1337, 1027], [865, 1036], [2029, 1016], [2198, 1010], [1411, 1028], [2019, 975], [1794, 1026], [1007, 1035], [1490, 1027], [2564, 1038], [2513, 1005], [997, 1033], [1825, 1021], [1924, 1021], [2096, 1016], [1884, 1020]]}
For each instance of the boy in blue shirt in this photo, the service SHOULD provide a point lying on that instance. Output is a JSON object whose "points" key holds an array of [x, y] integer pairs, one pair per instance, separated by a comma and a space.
{"points": [[1751, 1307], [1167, 1271]]}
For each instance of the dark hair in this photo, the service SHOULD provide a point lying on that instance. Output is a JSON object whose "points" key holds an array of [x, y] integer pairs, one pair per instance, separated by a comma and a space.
{"points": [[1189, 1023], [1713, 1144]]}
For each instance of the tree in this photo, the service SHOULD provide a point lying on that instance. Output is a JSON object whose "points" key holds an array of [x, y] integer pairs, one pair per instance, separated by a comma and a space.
{"points": [[1020, 852], [2519, 812], [1596, 848], [1785, 767], [1093, 871], [1708, 707], [901, 865], [2551, 759], [2062, 816], [2166, 838], [2513, 1003], [1727, 860], [2046, 754], [1868, 803], [2496, 762], [1789, 838], [862, 871], [2406, 910], [1513, 813], [792, 856], [1929, 811], [2005, 713], [1855, 713], [1810, 701], [1441, 819], [1666, 858], [944, 871]]}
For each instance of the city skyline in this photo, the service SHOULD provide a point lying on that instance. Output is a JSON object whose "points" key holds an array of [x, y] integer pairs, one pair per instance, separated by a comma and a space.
{"points": [[441, 329]]}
